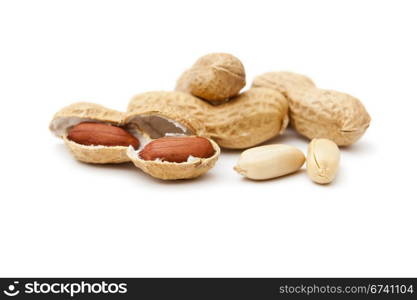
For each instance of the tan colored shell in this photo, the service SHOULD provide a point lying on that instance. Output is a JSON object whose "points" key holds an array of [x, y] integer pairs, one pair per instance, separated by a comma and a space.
{"points": [[82, 112], [97, 154], [178, 106], [161, 104], [245, 121], [249, 119], [318, 113], [283, 82], [329, 114], [182, 108], [214, 77], [172, 170]]}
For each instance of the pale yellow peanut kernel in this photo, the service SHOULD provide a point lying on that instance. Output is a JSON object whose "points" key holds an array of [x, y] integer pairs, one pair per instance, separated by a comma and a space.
{"points": [[266, 162], [322, 160]]}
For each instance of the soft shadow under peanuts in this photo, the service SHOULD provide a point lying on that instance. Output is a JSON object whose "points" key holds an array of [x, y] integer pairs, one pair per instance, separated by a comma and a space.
{"points": [[126, 167], [121, 166], [277, 179], [226, 151], [205, 177], [290, 136], [67, 153], [360, 146], [131, 168], [340, 173], [60, 147], [326, 185]]}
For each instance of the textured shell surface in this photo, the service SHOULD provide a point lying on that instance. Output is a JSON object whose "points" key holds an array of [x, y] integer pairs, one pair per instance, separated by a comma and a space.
{"points": [[319, 113], [213, 77], [152, 108], [283, 82], [329, 114], [247, 120], [172, 170], [97, 154]]}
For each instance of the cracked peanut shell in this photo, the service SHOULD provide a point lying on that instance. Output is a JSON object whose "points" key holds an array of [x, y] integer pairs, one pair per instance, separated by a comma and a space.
{"points": [[161, 114], [80, 112], [194, 167]]}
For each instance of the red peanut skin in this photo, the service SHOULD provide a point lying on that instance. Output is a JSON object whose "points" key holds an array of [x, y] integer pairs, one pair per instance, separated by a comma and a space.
{"points": [[100, 134], [177, 149]]}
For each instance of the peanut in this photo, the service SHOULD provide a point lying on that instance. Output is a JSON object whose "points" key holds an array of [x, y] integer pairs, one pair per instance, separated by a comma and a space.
{"points": [[249, 119], [214, 77], [177, 149], [100, 134], [266, 162], [149, 118], [322, 160], [318, 113]]}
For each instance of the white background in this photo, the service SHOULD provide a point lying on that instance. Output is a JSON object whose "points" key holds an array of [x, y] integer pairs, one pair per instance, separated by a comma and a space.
{"points": [[59, 217]]}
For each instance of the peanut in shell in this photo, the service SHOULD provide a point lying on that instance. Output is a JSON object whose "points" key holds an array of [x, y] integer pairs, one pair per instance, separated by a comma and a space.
{"points": [[214, 77], [319, 113], [247, 120]]}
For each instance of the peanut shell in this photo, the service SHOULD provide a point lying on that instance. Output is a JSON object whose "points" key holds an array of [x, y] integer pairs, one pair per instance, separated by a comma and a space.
{"points": [[158, 114], [283, 82], [214, 77], [88, 112], [318, 113], [180, 108], [172, 170], [329, 114], [150, 116], [249, 119]]}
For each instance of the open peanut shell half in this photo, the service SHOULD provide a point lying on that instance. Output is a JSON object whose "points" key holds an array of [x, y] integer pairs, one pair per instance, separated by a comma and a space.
{"points": [[89, 113], [171, 137]]}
